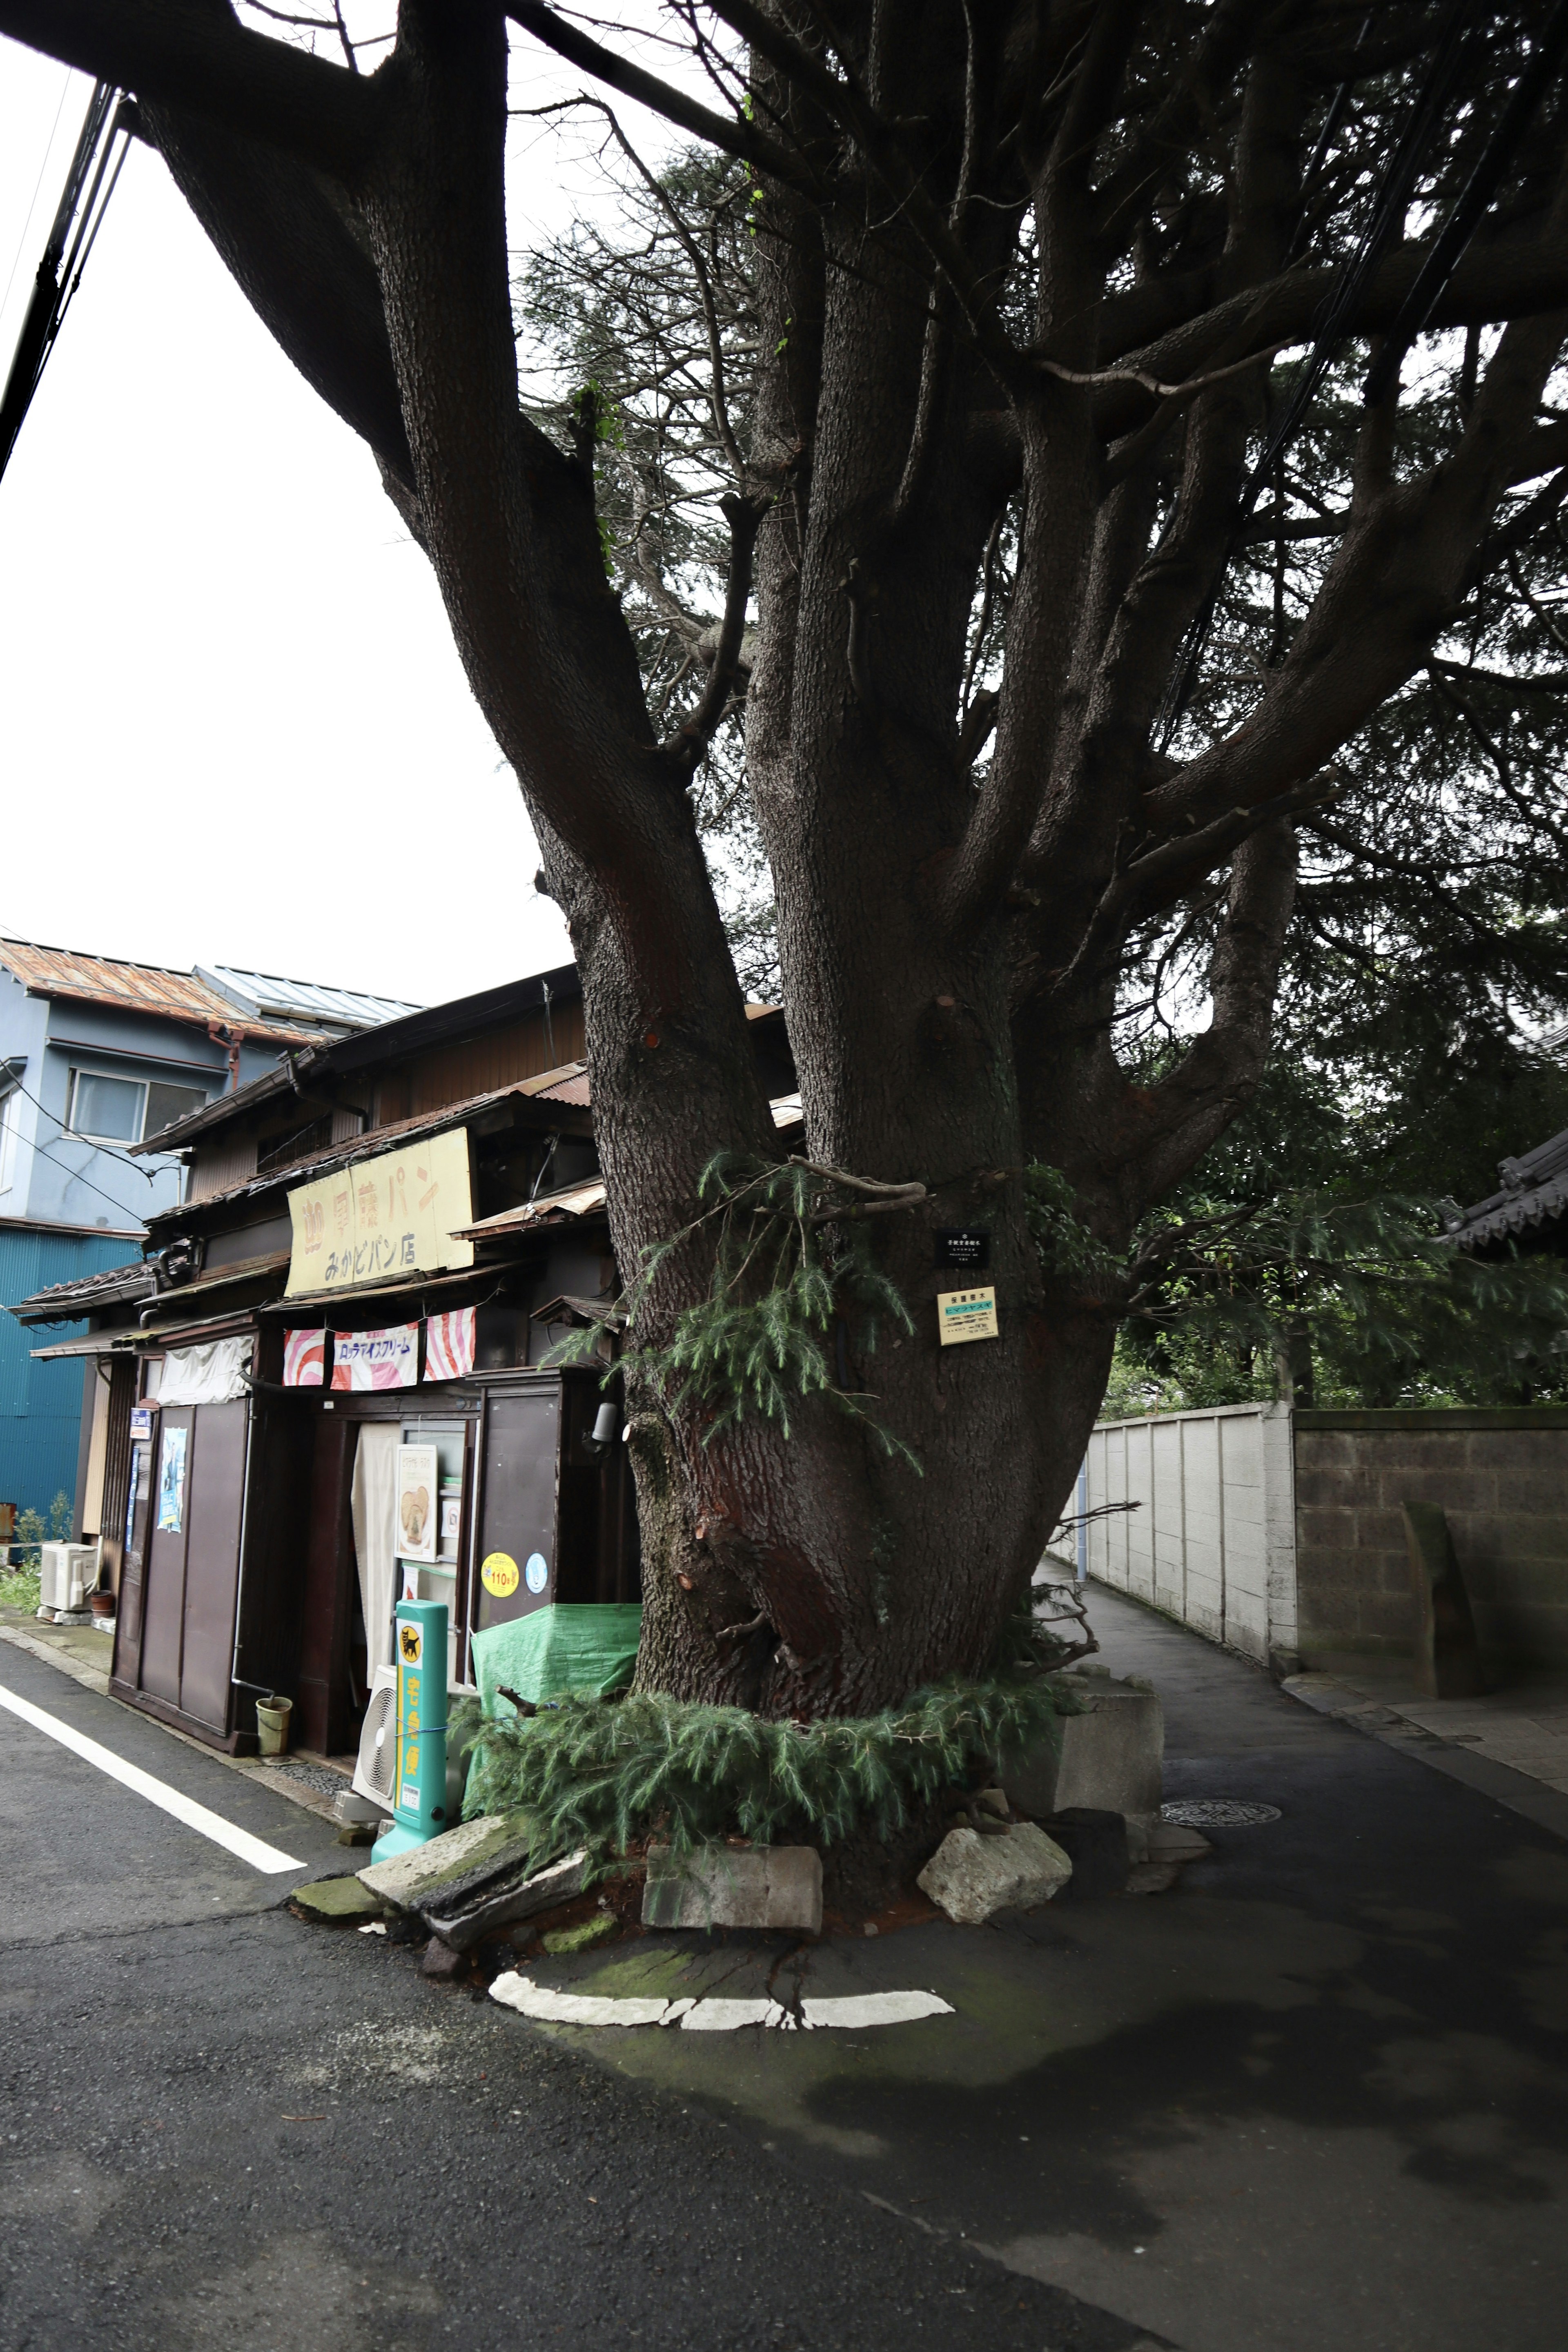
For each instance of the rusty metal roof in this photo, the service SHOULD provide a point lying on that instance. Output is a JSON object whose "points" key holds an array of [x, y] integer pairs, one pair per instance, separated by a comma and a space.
{"points": [[141, 987]]}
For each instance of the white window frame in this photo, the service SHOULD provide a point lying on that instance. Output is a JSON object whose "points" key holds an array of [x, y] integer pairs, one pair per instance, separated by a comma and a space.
{"points": [[10, 1106], [76, 1070]]}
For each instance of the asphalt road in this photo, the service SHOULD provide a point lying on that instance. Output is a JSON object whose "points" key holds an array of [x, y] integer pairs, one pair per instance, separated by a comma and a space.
{"points": [[220, 2126]]}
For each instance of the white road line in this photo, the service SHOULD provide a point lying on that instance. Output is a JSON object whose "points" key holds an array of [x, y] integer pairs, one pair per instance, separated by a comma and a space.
{"points": [[253, 1850]]}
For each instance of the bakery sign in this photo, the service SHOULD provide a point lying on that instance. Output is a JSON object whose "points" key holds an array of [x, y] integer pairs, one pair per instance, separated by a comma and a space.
{"points": [[382, 1217]]}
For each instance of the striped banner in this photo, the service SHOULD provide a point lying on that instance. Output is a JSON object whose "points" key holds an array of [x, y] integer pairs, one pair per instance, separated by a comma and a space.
{"points": [[376, 1359], [304, 1359], [450, 1345]]}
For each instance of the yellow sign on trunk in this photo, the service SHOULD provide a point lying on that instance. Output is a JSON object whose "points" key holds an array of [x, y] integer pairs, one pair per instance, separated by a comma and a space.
{"points": [[966, 1315]]}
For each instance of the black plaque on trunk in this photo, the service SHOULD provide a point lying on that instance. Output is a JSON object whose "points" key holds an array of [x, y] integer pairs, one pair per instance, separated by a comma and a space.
{"points": [[965, 1246]]}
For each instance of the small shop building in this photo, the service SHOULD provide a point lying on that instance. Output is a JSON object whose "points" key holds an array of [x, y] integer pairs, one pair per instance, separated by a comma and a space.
{"points": [[329, 1381]]}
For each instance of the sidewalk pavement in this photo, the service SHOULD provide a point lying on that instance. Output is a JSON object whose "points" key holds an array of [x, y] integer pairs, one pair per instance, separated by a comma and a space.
{"points": [[1313, 2096], [1522, 1725]]}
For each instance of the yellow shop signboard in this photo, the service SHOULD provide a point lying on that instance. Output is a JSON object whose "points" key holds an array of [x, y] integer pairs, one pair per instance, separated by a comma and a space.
{"points": [[382, 1217]]}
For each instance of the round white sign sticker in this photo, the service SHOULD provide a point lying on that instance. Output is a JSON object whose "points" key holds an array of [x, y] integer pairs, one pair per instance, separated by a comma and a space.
{"points": [[536, 1574]]}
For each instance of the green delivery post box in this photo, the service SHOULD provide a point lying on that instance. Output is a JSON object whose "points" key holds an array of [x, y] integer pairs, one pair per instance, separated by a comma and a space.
{"points": [[419, 1811]]}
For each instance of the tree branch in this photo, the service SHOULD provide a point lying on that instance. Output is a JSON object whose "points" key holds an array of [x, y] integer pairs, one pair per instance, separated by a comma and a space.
{"points": [[1176, 1121], [286, 239], [732, 135], [195, 55], [691, 739]]}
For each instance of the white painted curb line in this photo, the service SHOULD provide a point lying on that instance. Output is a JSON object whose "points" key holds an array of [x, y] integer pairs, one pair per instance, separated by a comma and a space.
{"points": [[696, 2015]]}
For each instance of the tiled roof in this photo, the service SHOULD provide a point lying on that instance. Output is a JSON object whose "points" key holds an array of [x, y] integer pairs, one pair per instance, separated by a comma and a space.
{"points": [[62, 1302], [139, 987], [1534, 1195], [550, 1087]]}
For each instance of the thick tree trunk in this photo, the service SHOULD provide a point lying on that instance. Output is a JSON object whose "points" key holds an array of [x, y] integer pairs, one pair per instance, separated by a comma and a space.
{"points": [[950, 938]]}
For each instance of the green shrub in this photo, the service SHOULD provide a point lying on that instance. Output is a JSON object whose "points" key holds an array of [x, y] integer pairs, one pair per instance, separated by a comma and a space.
{"points": [[600, 1773], [19, 1589]]}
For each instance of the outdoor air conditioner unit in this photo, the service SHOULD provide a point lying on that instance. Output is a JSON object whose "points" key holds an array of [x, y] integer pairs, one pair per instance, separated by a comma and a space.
{"points": [[376, 1770], [67, 1573]]}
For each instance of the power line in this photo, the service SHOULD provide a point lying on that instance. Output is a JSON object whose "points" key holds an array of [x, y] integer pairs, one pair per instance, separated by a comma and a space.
{"points": [[151, 1175], [90, 183]]}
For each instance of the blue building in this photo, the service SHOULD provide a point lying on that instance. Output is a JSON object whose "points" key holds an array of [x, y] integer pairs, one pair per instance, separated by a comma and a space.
{"points": [[96, 1055]]}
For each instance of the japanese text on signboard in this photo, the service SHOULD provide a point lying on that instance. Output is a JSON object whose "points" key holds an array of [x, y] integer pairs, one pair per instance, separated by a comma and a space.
{"points": [[389, 1215]]}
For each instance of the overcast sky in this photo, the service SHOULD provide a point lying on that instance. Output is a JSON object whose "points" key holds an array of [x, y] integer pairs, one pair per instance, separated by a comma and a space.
{"points": [[233, 726]]}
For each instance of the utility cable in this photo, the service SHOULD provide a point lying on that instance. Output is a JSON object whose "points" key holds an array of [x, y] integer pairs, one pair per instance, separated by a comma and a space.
{"points": [[78, 217], [150, 1175]]}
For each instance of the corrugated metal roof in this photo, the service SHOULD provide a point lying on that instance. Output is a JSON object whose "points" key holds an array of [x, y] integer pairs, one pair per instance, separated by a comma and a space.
{"points": [[264, 996], [142, 987], [572, 1201]]}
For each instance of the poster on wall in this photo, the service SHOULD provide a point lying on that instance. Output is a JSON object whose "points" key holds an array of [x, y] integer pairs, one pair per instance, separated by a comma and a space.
{"points": [[419, 1481], [172, 1481]]}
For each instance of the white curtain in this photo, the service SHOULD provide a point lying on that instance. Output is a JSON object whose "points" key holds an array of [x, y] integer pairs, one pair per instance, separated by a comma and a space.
{"points": [[209, 1375], [375, 1505]]}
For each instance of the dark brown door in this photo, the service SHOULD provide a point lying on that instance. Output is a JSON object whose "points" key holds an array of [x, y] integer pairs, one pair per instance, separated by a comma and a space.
{"points": [[138, 1508], [168, 1530], [521, 1455], [215, 1497], [192, 1568]]}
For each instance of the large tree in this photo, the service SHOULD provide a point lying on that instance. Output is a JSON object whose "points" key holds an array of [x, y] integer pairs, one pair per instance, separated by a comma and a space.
{"points": [[1043, 288]]}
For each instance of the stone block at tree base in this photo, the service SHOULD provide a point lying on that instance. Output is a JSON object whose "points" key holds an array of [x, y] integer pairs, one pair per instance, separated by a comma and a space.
{"points": [[446, 1868], [501, 1902], [338, 1898], [973, 1877], [734, 1886], [1109, 1758]]}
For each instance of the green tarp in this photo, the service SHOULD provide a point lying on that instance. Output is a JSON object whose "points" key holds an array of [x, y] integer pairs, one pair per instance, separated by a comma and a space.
{"points": [[571, 1645]]}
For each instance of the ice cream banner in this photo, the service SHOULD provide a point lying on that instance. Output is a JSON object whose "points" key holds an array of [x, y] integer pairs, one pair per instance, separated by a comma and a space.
{"points": [[450, 1345], [376, 1359], [304, 1359]]}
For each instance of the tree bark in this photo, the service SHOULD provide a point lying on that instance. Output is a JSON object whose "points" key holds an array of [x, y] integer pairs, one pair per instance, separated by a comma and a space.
{"points": [[951, 938]]}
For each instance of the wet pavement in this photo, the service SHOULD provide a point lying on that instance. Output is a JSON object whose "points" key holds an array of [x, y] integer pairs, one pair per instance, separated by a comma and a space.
{"points": [[1312, 2094]]}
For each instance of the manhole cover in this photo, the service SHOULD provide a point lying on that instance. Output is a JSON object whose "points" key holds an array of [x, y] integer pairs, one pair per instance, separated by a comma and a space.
{"points": [[1216, 1813]]}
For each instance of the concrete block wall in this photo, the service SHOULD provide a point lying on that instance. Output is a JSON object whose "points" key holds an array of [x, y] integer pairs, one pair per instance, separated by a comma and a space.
{"points": [[1502, 1478], [1211, 1541]]}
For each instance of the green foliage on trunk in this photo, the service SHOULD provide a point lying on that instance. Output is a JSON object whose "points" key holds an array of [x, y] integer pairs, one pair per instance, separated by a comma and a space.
{"points": [[602, 1773], [788, 1260]]}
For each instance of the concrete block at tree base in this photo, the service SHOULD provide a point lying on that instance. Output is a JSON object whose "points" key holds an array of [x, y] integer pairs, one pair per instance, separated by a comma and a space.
{"points": [[442, 1871], [1109, 1758], [517, 1893], [973, 1877], [1446, 1659], [734, 1886]]}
